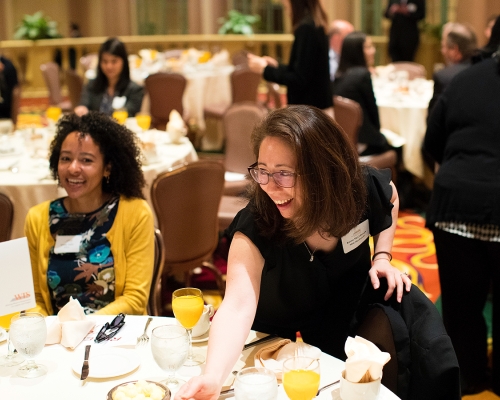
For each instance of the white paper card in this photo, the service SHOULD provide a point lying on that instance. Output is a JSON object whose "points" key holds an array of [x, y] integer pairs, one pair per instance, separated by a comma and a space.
{"points": [[67, 244], [16, 286], [356, 236]]}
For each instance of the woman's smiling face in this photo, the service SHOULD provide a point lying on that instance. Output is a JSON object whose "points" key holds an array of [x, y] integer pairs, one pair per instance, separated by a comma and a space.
{"points": [[275, 156]]}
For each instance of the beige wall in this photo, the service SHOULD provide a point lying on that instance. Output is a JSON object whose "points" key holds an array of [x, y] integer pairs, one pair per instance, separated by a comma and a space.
{"points": [[477, 14]]}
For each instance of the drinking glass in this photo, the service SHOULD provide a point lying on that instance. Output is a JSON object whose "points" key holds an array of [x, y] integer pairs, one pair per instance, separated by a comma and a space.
{"points": [[53, 113], [28, 333], [254, 383], [301, 378], [187, 304], [120, 115], [170, 347], [11, 359], [144, 121]]}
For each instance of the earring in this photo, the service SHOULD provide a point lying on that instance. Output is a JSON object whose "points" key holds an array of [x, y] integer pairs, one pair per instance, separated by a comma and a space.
{"points": [[107, 179]]}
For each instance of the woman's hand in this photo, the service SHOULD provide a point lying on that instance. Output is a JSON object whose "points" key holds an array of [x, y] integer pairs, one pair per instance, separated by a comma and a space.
{"points": [[271, 61], [396, 279], [81, 110], [201, 387], [256, 63]]}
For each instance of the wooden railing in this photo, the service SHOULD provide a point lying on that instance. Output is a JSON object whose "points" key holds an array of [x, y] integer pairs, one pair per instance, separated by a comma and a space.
{"points": [[28, 55]]}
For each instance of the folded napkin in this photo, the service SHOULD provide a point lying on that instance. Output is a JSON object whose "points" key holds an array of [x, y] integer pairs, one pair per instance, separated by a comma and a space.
{"points": [[71, 325], [150, 152], [273, 355], [220, 59], [364, 360], [176, 127]]}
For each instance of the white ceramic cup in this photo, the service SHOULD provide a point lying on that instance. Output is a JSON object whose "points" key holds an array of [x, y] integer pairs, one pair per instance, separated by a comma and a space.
{"points": [[358, 391], [255, 383], [204, 322]]}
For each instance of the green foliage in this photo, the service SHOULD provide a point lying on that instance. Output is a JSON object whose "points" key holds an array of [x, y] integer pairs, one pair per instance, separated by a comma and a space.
{"points": [[432, 30], [37, 26], [238, 23]]}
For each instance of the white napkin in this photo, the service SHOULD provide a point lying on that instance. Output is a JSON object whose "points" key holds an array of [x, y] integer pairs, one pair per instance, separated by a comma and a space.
{"points": [[71, 325], [363, 357], [118, 102], [220, 59], [176, 127], [273, 355]]}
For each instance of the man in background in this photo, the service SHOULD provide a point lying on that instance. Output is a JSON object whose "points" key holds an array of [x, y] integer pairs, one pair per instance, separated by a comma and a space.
{"points": [[8, 81], [339, 29]]}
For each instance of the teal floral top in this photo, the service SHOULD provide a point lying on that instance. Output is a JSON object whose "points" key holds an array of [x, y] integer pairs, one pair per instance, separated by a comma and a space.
{"points": [[86, 274]]}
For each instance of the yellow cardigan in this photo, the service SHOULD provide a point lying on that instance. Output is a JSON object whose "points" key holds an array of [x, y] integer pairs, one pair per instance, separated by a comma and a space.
{"points": [[132, 245]]}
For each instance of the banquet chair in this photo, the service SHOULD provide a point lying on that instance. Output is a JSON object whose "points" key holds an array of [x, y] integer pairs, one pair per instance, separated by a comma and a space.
{"points": [[423, 363], [154, 302], [239, 121], [6, 217], [228, 208], [74, 82], [50, 72], [165, 92], [414, 69], [186, 202]]}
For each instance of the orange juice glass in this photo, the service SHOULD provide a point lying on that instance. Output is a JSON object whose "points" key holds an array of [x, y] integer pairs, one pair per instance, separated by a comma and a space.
{"points": [[120, 115], [187, 304], [53, 113], [11, 359], [301, 377], [144, 121]]}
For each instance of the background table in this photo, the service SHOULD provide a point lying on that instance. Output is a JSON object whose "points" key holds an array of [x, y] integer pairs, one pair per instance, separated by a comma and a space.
{"points": [[61, 382]]}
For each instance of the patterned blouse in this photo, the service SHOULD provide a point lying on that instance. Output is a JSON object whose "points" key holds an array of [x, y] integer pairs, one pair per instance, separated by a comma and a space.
{"points": [[88, 274]]}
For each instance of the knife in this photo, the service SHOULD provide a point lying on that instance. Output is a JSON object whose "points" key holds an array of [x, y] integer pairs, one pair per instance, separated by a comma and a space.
{"points": [[264, 339], [85, 368]]}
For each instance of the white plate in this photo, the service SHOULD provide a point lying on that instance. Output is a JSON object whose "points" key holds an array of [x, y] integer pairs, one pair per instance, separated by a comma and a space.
{"points": [[202, 338], [107, 362], [3, 335]]}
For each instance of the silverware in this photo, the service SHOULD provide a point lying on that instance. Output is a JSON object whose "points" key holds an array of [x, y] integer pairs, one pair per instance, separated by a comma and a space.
{"points": [[264, 339], [143, 339], [85, 368], [326, 387]]}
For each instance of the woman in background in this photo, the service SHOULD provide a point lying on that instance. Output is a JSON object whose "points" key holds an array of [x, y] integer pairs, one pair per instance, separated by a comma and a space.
{"points": [[97, 243], [307, 75], [353, 81], [112, 88]]}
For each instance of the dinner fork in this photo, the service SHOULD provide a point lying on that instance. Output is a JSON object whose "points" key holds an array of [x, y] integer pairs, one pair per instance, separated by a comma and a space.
{"points": [[144, 338]]}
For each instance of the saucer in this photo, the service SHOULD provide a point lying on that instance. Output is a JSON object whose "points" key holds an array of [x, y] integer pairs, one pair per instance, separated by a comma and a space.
{"points": [[202, 338]]}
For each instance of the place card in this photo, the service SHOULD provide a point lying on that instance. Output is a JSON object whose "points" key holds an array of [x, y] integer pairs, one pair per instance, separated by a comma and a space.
{"points": [[16, 286]]}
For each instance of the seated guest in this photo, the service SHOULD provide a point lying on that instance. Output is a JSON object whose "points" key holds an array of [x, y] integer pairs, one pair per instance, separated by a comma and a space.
{"points": [[353, 81], [97, 243], [8, 81], [292, 265], [489, 26], [112, 87]]}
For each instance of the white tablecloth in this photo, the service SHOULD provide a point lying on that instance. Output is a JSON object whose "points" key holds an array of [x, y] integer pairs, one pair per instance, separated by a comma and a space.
{"points": [[27, 187], [62, 383]]}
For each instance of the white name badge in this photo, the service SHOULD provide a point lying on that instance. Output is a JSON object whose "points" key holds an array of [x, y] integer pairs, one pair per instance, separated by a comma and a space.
{"points": [[356, 236], [67, 244]]}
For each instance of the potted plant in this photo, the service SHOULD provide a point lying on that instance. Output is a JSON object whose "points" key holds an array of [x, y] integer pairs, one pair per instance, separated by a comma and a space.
{"points": [[238, 23], [37, 26]]}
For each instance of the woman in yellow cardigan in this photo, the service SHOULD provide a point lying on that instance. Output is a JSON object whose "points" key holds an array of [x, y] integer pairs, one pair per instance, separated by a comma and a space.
{"points": [[97, 243]]}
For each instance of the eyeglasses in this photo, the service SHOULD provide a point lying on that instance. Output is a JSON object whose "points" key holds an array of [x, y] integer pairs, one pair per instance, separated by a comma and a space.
{"points": [[109, 330], [284, 179]]}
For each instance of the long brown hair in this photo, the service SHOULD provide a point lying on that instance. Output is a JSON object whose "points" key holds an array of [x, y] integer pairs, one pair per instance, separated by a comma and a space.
{"points": [[331, 178], [313, 8]]}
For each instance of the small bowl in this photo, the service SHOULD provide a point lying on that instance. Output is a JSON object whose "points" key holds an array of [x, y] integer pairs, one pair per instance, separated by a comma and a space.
{"points": [[166, 389]]}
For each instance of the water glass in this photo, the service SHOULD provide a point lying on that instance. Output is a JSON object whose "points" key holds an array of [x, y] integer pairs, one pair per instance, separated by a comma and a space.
{"points": [[255, 383], [170, 347], [10, 359], [301, 378], [28, 333]]}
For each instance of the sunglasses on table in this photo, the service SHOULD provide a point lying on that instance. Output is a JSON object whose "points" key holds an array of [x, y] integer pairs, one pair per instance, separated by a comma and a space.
{"points": [[110, 329]]}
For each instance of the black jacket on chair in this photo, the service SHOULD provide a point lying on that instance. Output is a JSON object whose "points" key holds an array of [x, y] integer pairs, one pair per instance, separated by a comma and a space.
{"points": [[427, 367]]}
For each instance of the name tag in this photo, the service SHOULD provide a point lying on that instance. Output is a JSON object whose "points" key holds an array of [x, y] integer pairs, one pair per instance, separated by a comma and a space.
{"points": [[356, 236], [67, 244]]}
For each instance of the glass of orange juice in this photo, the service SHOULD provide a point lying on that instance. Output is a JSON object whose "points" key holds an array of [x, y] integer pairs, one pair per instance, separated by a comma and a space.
{"points": [[10, 359], [301, 378], [53, 113], [187, 304], [144, 121], [120, 115]]}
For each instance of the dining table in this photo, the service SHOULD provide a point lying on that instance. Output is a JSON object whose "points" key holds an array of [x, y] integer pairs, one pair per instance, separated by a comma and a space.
{"points": [[24, 167], [126, 361]]}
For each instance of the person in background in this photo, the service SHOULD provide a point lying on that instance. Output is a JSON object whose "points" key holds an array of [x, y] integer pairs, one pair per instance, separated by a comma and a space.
{"points": [[339, 29], [458, 45], [489, 26], [97, 243], [307, 75], [404, 35], [292, 265], [8, 81], [112, 88], [491, 47], [353, 81], [464, 215]]}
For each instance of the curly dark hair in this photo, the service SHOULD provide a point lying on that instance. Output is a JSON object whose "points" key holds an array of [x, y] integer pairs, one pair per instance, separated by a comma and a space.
{"points": [[333, 187], [118, 145]]}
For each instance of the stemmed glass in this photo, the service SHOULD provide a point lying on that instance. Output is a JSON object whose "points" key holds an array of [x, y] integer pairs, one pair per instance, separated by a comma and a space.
{"points": [[28, 333], [170, 347], [301, 378], [187, 304], [11, 359], [255, 383]]}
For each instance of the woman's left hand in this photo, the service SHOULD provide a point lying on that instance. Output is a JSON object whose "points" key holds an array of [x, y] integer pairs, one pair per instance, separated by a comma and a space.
{"points": [[382, 268], [256, 63]]}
